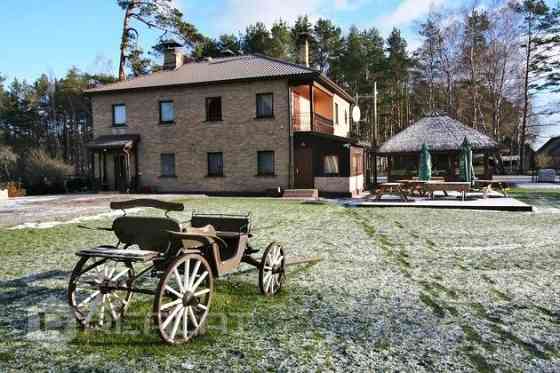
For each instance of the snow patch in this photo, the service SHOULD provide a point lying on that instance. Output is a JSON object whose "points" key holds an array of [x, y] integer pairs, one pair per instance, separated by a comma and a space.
{"points": [[81, 219]]}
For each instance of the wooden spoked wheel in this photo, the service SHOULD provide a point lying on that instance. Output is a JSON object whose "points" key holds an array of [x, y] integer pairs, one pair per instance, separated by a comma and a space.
{"points": [[272, 270], [183, 298], [91, 295]]}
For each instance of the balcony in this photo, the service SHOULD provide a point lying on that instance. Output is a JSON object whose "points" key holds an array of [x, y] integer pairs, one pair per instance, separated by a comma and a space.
{"points": [[302, 122], [312, 109]]}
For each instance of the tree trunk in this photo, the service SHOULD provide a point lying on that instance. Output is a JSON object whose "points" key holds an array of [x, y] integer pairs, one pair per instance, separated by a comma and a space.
{"points": [[473, 87], [124, 41], [523, 134]]}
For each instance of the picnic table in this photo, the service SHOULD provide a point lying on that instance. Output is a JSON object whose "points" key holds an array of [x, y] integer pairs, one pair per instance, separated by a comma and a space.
{"points": [[488, 186], [434, 186], [414, 186], [392, 188]]}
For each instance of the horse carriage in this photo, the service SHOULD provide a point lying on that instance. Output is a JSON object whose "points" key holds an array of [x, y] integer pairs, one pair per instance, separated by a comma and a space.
{"points": [[186, 260]]}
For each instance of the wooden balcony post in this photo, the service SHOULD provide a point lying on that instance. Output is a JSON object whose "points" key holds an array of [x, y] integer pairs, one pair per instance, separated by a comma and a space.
{"points": [[311, 112]]}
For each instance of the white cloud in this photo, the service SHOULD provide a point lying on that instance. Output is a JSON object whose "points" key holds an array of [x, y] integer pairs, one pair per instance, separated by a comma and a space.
{"points": [[235, 15], [408, 11], [349, 4]]}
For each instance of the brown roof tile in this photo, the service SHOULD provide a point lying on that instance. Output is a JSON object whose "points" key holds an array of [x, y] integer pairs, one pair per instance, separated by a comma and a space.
{"points": [[245, 67], [215, 70]]}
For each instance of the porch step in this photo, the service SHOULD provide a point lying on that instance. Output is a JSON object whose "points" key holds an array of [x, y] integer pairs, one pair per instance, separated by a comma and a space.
{"points": [[301, 193]]}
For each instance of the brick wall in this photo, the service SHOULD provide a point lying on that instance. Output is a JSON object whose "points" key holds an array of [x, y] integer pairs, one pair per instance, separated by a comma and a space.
{"points": [[239, 136]]}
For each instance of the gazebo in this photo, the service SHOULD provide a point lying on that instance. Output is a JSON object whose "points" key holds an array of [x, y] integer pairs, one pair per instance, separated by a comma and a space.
{"points": [[444, 137]]}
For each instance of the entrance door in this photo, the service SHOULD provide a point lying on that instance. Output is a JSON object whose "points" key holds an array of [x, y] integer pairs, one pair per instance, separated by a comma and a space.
{"points": [[303, 172], [121, 173]]}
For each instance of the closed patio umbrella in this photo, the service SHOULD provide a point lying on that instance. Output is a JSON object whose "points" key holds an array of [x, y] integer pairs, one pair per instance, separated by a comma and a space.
{"points": [[425, 172], [465, 162]]}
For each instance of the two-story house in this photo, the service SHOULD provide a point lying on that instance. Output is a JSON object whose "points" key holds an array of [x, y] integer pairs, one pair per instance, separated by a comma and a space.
{"points": [[244, 124]]}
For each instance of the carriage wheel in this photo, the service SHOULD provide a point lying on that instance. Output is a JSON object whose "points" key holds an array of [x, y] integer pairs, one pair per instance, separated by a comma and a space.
{"points": [[183, 298], [93, 302], [272, 270]]}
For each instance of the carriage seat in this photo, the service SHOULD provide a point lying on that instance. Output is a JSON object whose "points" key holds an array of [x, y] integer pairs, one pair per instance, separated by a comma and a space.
{"points": [[144, 238]]}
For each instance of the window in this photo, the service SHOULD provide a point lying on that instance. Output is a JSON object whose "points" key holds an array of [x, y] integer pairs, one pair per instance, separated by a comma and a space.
{"points": [[330, 165], [346, 116], [215, 164], [335, 113], [265, 163], [265, 105], [213, 109], [119, 115], [168, 165], [166, 112], [357, 168]]}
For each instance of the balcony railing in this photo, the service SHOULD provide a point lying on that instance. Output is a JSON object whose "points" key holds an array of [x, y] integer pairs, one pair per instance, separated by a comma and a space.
{"points": [[302, 122]]}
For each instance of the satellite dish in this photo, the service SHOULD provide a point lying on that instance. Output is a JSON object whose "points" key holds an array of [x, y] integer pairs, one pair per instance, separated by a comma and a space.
{"points": [[356, 114]]}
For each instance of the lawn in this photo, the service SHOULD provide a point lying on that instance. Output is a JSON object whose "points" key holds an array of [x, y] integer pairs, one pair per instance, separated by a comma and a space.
{"points": [[397, 289], [540, 198]]}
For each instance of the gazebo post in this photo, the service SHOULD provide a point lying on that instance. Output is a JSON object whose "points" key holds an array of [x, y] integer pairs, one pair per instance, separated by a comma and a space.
{"points": [[100, 164], [374, 166], [486, 167], [104, 178], [91, 172]]}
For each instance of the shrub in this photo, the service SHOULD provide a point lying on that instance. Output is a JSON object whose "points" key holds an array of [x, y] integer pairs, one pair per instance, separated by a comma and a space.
{"points": [[8, 162], [43, 174]]}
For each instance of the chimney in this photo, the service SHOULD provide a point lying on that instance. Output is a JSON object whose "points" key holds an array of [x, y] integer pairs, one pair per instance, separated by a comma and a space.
{"points": [[173, 57], [303, 48]]}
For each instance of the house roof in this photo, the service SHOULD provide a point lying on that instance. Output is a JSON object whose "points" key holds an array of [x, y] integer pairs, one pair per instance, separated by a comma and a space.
{"points": [[221, 70], [113, 142], [440, 133]]}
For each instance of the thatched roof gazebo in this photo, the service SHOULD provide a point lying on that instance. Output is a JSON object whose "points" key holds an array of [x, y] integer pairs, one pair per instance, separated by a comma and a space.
{"points": [[444, 137]]}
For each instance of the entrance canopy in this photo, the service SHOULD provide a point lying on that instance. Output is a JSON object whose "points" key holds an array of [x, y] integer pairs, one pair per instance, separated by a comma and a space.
{"points": [[116, 159], [114, 142]]}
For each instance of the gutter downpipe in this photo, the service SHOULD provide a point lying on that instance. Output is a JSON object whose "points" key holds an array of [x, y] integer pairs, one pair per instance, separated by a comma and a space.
{"points": [[291, 140]]}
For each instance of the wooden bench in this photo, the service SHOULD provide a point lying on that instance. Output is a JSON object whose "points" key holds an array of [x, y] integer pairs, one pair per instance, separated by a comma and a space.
{"points": [[488, 186], [434, 186], [391, 188]]}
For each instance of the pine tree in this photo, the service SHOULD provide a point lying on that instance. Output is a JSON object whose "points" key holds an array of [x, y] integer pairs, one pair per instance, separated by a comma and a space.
{"points": [[328, 44], [540, 29], [256, 39], [398, 64], [474, 46], [280, 41], [428, 58], [155, 14]]}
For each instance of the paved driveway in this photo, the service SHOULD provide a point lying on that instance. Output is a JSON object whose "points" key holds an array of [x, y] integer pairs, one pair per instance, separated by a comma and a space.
{"points": [[45, 210]]}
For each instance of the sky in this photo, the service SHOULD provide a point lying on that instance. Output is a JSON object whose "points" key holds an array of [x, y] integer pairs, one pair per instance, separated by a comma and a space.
{"points": [[38, 36]]}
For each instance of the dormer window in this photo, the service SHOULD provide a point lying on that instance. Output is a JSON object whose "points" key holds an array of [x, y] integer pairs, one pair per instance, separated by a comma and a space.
{"points": [[119, 115]]}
